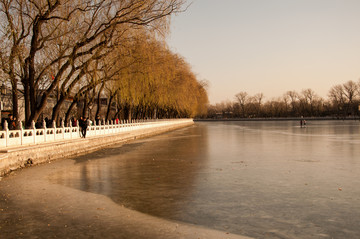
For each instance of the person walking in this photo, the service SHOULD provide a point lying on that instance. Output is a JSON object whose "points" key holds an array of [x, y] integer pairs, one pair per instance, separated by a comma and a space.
{"points": [[83, 126], [12, 122]]}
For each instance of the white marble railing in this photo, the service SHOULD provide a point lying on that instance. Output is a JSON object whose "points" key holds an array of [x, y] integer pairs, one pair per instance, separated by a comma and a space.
{"points": [[38, 136]]}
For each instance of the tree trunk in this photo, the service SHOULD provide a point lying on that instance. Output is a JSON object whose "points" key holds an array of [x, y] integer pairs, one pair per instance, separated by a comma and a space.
{"points": [[109, 108], [27, 103], [68, 112], [85, 105], [15, 107], [127, 112], [57, 107], [99, 101]]}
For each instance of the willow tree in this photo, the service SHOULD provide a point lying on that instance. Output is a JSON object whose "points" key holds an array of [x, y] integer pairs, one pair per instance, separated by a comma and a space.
{"points": [[158, 83], [137, 85]]}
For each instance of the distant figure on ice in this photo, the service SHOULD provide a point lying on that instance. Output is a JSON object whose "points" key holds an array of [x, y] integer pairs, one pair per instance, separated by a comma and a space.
{"points": [[302, 122]]}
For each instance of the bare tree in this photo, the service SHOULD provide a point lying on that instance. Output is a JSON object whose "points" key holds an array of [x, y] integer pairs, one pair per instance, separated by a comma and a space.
{"points": [[337, 97], [293, 97], [308, 96], [242, 98], [58, 40], [258, 98], [351, 91], [344, 96]]}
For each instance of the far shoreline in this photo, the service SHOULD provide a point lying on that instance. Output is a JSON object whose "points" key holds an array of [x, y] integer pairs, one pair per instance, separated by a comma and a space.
{"points": [[354, 118]]}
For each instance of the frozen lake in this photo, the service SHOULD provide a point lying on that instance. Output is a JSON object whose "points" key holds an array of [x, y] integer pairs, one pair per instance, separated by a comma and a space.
{"points": [[260, 179]]}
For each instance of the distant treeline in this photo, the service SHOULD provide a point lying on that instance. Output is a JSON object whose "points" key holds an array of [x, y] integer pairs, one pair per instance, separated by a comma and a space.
{"points": [[343, 101]]}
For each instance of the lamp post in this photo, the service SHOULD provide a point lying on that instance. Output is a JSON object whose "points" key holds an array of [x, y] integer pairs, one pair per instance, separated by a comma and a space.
{"points": [[90, 106]]}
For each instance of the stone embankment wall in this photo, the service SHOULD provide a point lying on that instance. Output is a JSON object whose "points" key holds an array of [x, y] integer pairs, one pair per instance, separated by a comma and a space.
{"points": [[12, 158]]}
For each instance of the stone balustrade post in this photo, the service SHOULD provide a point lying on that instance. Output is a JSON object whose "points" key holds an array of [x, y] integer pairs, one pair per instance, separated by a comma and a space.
{"points": [[6, 128], [44, 126], [71, 130], [21, 132], [62, 125], [33, 125]]}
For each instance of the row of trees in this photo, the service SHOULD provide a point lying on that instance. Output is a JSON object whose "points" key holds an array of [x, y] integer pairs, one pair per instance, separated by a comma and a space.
{"points": [[80, 50], [343, 100]]}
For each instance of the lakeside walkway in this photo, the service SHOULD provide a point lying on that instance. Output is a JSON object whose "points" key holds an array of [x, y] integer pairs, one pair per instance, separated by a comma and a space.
{"points": [[21, 148]]}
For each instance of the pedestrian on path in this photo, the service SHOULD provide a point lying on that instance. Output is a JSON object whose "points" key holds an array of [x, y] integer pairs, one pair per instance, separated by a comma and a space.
{"points": [[83, 126]]}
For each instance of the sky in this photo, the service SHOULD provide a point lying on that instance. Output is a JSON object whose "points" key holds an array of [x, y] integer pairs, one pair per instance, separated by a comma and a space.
{"points": [[269, 46]]}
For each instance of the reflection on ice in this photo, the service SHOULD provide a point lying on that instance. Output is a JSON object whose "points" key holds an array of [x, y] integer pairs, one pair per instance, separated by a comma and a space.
{"points": [[261, 179]]}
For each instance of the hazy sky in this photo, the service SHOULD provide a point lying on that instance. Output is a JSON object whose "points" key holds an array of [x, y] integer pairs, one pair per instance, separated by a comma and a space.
{"points": [[269, 46]]}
